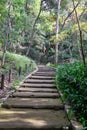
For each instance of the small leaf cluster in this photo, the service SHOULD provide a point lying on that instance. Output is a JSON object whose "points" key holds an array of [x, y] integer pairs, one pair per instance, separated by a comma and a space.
{"points": [[71, 79]]}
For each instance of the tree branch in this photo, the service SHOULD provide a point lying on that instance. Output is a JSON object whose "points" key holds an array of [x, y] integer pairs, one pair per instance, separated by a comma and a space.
{"points": [[33, 29], [82, 13], [80, 33], [70, 14], [32, 34]]}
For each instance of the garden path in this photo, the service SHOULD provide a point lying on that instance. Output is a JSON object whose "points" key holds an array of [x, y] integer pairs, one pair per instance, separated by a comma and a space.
{"points": [[36, 105]]}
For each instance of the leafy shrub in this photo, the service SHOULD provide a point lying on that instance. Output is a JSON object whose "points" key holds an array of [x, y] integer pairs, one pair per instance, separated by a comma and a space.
{"points": [[15, 61], [18, 60], [51, 65], [71, 79], [16, 82]]}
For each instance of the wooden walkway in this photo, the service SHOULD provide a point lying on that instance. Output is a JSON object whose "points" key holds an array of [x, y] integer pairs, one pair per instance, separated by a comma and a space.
{"points": [[36, 105]]}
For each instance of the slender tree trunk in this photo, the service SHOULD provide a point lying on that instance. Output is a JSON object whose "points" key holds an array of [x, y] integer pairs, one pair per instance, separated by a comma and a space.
{"points": [[33, 29], [79, 48], [70, 51], [57, 31], [7, 36], [80, 34], [3, 56], [9, 26]]}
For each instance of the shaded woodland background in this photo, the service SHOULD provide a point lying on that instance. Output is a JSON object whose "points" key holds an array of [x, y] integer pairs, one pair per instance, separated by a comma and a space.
{"points": [[28, 27], [46, 32]]}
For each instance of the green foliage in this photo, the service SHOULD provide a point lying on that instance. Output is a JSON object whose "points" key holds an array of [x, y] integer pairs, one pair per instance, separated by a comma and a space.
{"points": [[83, 27], [46, 22], [15, 61], [16, 83], [72, 81], [1, 70], [12, 89], [52, 65]]}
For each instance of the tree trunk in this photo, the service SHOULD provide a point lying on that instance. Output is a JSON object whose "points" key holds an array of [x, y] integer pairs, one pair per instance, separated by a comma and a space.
{"points": [[79, 50], [57, 32], [3, 56], [28, 49], [70, 51], [7, 36], [33, 29], [80, 34], [9, 26]]}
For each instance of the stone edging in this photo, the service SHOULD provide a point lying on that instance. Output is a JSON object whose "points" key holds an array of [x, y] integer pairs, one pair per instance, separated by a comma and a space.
{"points": [[27, 77], [4, 99], [74, 124]]}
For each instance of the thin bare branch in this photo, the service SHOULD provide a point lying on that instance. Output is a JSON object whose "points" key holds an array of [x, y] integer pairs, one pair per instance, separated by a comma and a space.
{"points": [[80, 33], [33, 29], [70, 14], [82, 13]]}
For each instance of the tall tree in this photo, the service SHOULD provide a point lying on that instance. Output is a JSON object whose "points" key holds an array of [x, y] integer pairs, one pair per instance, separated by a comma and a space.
{"points": [[6, 26], [57, 31], [33, 28], [80, 33]]}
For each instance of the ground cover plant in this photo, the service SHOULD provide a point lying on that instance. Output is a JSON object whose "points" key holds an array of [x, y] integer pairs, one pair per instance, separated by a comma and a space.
{"points": [[71, 79], [14, 62]]}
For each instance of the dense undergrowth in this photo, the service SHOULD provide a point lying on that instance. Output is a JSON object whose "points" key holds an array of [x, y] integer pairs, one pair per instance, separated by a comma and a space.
{"points": [[72, 81], [14, 61]]}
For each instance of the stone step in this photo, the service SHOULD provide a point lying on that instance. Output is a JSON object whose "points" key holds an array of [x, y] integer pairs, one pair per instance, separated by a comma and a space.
{"points": [[46, 68], [47, 72], [38, 85], [50, 90], [24, 119], [38, 81], [34, 103], [35, 95], [44, 74], [42, 77]]}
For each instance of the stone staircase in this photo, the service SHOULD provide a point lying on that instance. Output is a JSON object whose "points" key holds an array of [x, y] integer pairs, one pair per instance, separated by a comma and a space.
{"points": [[36, 105]]}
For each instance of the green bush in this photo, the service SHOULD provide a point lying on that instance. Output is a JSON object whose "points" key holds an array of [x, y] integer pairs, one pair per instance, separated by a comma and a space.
{"points": [[52, 65], [15, 61], [72, 81]]}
